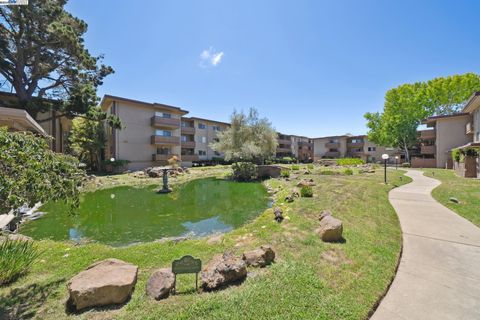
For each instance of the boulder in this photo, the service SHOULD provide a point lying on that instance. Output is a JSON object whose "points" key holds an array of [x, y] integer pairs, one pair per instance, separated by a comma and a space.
{"points": [[15, 237], [289, 199], [139, 174], [304, 183], [278, 212], [330, 229], [106, 282], [160, 284], [259, 257], [223, 270]]}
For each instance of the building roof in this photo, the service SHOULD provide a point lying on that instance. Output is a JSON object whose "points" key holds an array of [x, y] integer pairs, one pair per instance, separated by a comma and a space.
{"points": [[203, 119], [347, 135], [433, 119], [110, 98], [19, 120], [472, 103]]}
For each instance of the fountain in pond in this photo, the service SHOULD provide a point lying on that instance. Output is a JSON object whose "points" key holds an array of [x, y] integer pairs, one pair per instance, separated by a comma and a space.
{"points": [[165, 188]]}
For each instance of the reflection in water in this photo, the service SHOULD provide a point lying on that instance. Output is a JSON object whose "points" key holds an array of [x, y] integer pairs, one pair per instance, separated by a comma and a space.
{"points": [[125, 215], [207, 226]]}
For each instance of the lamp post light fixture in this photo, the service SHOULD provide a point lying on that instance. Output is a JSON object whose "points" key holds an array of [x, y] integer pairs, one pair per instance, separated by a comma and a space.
{"points": [[385, 158], [396, 162]]}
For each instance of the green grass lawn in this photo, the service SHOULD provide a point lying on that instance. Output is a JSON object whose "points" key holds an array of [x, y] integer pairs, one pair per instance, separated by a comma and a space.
{"points": [[466, 190], [310, 279]]}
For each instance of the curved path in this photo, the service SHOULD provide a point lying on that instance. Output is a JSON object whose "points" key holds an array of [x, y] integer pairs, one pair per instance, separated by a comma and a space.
{"points": [[439, 272]]}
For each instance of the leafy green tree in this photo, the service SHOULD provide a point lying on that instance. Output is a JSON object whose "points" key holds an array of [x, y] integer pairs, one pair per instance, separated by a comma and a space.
{"points": [[30, 172], [88, 137], [44, 58], [408, 104], [249, 138]]}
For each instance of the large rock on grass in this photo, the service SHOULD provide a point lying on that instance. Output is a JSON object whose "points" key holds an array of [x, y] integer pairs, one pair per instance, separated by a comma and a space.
{"points": [[160, 284], [259, 257], [330, 229], [222, 271], [103, 283]]}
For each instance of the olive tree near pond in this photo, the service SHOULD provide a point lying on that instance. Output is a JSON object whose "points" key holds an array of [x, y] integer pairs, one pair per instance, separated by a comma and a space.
{"points": [[249, 138], [30, 172]]}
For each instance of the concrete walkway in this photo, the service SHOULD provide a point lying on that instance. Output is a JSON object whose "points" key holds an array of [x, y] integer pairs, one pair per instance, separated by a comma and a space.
{"points": [[439, 272]]}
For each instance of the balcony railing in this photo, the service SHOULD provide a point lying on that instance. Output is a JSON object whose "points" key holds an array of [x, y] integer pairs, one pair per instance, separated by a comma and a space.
{"points": [[302, 144], [188, 130], [284, 141], [280, 150], [165, 122], [162, 157], [427, 150], [428, 134], [188, 144], [332, 145], [189, 157], [165, 140], [356, 144], [469, 128]]}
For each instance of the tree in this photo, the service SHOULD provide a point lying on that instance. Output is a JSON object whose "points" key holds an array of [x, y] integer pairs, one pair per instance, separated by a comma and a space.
{"points": [[408, 104], [43, 57], [88, 137], [30, 172], [248, 138]]}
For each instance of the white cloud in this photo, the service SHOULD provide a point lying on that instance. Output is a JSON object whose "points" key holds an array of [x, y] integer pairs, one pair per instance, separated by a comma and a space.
{"points": [[210, 58]]}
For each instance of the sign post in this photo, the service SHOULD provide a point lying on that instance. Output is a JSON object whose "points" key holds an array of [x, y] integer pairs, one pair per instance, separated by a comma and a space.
{"points": [[184, 265]]}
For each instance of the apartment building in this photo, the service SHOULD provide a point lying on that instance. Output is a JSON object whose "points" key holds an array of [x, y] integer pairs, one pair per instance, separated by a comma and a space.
{"points": [[350, 146], [205, 132], [299, 147], [447, 132]]}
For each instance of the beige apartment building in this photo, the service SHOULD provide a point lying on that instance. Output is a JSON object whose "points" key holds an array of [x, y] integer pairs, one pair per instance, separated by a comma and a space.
{"points": [[350, 146], [446, 133], [204, 133], [299, 147]]}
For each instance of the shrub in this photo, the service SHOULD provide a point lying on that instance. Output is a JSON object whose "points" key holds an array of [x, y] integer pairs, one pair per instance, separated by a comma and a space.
{"points": [[16, 258], [295, 167], [244, 171], [286, 160], [406, 164], [348, 172], [456, 155], [310, 166], [306, 192], [350, 161], [285, 173]]}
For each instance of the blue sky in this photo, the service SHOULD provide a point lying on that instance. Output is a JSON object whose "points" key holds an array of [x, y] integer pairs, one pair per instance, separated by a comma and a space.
{"points": [[312, 67]]}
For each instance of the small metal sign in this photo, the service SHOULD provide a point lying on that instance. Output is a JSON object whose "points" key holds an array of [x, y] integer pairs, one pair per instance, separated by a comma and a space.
{"points": [[186, 264]]}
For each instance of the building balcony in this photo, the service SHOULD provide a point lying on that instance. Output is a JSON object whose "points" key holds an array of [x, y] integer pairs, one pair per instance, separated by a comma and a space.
{"points": [[427, 149], [428, 134], [469, 128], [188, 130], [332, 145], [163, 157], [333, 154], [283, 150], [189, 157], [162, 140], [356, 152], [355, 144], [188, 144], [284, 141], [161, 122], [303, 144]]}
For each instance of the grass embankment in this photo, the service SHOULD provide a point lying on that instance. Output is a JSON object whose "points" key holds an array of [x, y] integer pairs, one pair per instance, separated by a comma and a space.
{"points": [[310, 279], [466, 190]]}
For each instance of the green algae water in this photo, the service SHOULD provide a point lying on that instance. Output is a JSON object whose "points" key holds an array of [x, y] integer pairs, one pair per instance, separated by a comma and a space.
{"points": [[125, 215]]}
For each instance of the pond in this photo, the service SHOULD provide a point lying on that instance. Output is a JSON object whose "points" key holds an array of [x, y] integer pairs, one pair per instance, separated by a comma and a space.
{"points": [[125, 215]]}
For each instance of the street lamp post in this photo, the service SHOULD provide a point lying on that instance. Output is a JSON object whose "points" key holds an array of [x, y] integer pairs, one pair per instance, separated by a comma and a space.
{"points": [[396, 162], [385, 158]]}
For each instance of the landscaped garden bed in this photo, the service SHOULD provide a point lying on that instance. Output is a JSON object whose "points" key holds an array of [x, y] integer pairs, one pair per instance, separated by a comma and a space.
{"points": [[309, 279]]}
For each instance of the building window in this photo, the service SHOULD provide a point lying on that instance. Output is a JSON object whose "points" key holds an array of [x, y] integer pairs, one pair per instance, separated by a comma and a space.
{"points": [[202, 139], [372, 149], [163, 133], [216, 128], [202, 126], [217, 153], [333, 141], [164, 151], [202, 152], [162, 114], [216, 140]]}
